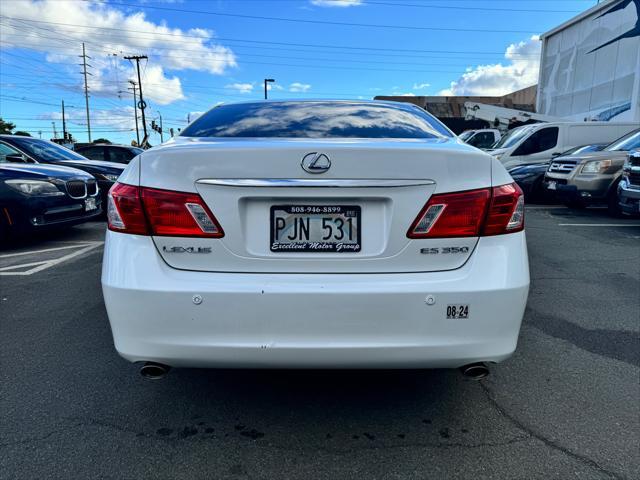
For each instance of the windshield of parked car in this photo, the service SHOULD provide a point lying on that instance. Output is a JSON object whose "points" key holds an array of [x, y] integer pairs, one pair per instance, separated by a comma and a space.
{"points": [[44, 150], [512, 137], [629, 142], [317, 119], [465, 135]]}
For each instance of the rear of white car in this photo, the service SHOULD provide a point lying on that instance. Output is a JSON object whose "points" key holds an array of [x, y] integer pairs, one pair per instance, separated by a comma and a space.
{"points": [[315, 234]]}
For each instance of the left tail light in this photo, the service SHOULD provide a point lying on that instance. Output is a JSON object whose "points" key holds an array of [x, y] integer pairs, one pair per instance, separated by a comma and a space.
{"points": [[151, 211]]}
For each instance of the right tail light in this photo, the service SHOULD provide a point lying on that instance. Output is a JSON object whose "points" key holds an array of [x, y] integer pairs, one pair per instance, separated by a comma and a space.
{"points": [[472, 213]]}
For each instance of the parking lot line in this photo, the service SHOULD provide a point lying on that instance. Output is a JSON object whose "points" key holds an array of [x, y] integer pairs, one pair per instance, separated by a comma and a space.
{"points": [[543, 207], [599, 224], [43, 265], [76, 245]]}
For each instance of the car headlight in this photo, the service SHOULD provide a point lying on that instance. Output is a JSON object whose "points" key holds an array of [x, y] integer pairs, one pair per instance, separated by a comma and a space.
{"points": [[596, 166], [34, 187]]}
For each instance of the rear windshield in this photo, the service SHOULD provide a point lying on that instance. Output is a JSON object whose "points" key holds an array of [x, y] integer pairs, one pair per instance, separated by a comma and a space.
{"points": [[317, 120]]}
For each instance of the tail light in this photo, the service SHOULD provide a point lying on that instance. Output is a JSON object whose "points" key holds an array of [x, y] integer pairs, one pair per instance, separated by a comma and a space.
{"points": [[150, 211], [483, 212], [506, 211]]}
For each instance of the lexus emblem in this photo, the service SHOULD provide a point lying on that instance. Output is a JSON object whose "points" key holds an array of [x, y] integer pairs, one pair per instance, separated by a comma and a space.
{"points": [[315, 162]]}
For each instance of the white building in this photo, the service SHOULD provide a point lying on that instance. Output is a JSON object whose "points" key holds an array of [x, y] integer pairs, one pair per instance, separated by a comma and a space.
{"points": [[590, 65]]}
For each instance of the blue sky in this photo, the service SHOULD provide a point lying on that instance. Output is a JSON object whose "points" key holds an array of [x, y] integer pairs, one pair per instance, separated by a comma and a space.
{"points": [[205, 52]]}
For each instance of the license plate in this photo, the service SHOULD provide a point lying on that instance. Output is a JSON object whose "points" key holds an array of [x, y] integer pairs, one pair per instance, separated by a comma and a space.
{"points": [[90, 204], [551, 185], [315, 228]]}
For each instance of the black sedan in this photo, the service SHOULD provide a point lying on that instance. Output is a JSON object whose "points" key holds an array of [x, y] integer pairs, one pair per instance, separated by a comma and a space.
{"points": [[108, 152], [35, 197], [33, 150], [530, 176]]}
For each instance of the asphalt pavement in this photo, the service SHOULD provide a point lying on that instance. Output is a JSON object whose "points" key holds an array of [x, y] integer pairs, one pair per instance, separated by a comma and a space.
{"points": [[567, 405]]}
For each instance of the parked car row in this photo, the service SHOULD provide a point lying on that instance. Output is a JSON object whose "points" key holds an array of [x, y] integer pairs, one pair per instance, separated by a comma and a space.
{"points": [[45, 185], [579, 164]]}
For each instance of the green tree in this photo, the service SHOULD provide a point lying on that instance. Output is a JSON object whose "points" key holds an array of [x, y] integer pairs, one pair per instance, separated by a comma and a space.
{"points": [[21, 133], [6, 127], [101, 140]]}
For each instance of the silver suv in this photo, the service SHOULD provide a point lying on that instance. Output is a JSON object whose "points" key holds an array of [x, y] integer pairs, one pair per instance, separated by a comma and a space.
{"points": [[590, 178]]}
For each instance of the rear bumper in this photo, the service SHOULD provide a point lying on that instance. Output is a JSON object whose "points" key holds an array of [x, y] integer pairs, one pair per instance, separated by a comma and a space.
{"points": [[314, 320]]}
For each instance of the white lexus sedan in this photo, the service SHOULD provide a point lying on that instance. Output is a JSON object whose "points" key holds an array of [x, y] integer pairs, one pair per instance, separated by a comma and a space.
{"points": [[315, 234]]}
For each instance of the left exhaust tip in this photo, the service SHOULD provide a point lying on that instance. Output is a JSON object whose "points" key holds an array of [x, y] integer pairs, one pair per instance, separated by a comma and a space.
{"points": [[154, 371], [475, 371]]}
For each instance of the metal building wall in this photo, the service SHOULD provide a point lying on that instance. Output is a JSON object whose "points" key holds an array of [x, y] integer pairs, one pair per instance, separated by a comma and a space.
{"points": [[590, 66]]}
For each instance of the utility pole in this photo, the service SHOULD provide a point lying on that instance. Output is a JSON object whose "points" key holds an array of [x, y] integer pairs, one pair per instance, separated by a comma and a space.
{"points": [[86, 88], [161, 134], [64, 124], [266, 81], [55, 132], [141, 103], [135, 108]]}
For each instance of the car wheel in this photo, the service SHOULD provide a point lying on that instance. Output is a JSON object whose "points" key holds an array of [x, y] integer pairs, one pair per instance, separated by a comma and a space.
{"points": [[537, 194], [612, 203], [4, 230]]}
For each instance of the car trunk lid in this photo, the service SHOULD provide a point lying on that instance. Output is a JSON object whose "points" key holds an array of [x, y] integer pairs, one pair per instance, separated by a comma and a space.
{"points": [[383, 184]]}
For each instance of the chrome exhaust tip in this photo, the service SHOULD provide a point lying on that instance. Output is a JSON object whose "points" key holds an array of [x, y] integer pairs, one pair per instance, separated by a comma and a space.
{"points": [[154, 371], [475, 371]]}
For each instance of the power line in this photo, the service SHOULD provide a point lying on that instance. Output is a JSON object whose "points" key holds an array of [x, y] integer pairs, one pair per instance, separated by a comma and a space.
{"points": [[319, 22], [449, 7], [230, 39], [181, 35], [27, 100]]}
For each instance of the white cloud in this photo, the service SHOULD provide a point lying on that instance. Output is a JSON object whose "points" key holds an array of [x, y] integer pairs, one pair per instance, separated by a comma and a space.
{"points": [[241, 87], [420, 86], [160, 88], [401, 94], [112, 32], [498, 79], [299, 87], [191, 116], [336, 3]]}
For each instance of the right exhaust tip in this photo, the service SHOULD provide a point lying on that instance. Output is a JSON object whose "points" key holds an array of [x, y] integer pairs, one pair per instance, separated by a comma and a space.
{"points": [[475, 371], [154, 371]]}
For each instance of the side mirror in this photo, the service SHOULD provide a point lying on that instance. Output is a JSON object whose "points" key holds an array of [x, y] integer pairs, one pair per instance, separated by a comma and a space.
{"points": [[15, 158]]}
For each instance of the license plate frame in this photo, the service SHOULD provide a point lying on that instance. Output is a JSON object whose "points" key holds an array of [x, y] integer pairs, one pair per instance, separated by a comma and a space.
{"points": [[313, 212], [90, 204]]}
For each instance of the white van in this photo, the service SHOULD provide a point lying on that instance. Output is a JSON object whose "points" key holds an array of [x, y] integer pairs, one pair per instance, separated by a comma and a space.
{"points": [[540, 142]]}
